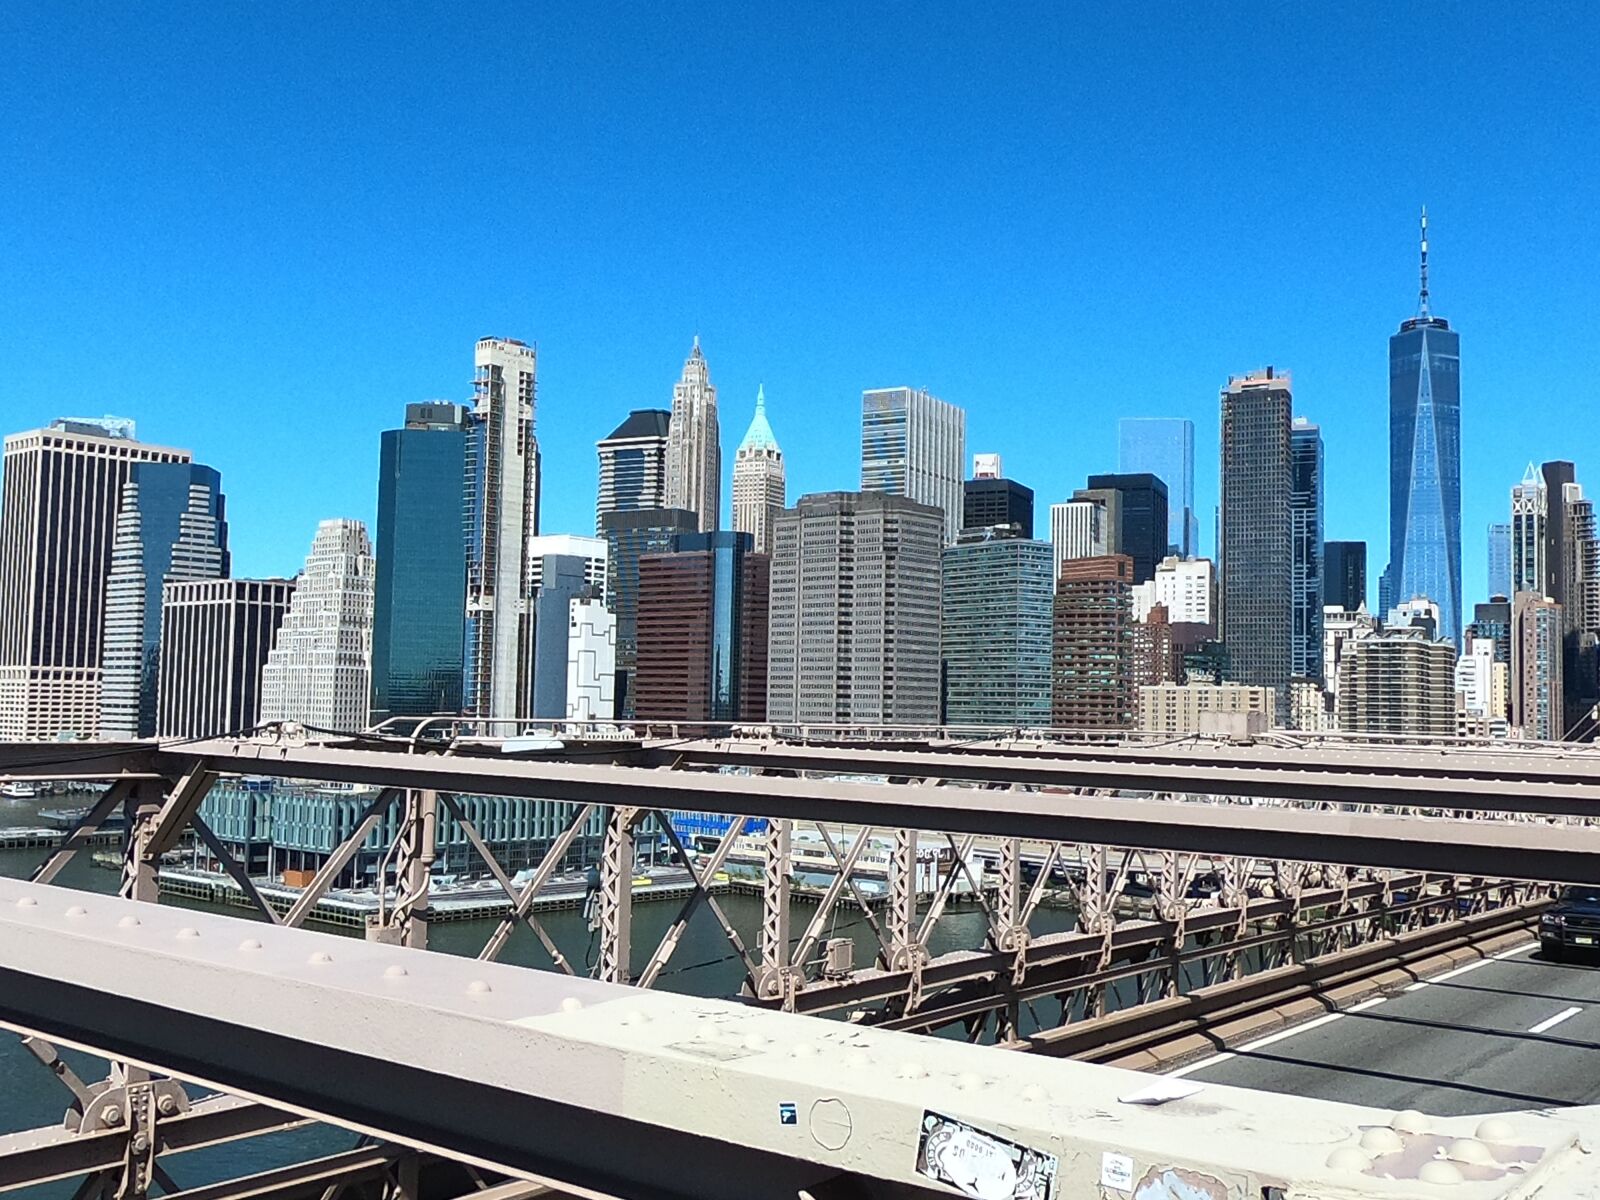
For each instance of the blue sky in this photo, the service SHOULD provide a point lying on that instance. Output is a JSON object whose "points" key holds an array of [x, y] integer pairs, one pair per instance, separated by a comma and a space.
{"points": [[262, 229]]}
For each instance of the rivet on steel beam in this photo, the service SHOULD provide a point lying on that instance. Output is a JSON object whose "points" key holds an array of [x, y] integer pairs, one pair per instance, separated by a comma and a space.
{"points": [[250, 944], [127, 922], [394, 971], [911, 1070], [572, 1004], [478, 987], [1496, 1129], [1034, 1094], [968, 1082], [755, 1042], [1380, 1140], [1469, 1150], [1409, 1120], [635, 1017], [320, 956], [77, 910], [188, 932], [803, 1050], [1439, 1171], [27, 902]]}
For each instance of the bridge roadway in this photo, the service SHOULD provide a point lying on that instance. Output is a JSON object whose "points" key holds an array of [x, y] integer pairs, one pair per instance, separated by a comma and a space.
{"points": [[1508, 1031], [661, 1097]]}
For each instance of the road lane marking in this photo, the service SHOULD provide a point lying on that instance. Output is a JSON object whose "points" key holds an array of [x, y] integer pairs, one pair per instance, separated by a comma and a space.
{"points": [[1274, 1038], [1523, 948], [1552, 1022], [1417, 986], [1459, 971], [1199, 1066], [1366, 1004]]}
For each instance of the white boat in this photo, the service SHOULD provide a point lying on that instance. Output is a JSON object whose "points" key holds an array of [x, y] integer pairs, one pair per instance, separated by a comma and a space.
{"points": [[19, 791]]}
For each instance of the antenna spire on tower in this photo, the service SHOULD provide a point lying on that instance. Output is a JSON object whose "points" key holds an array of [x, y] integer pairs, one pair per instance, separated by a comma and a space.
{"points": [[1422, 303]]}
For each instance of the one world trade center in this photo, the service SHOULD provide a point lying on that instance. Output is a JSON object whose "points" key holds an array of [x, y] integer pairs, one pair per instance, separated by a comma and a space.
{"points": [[1425, 461]]}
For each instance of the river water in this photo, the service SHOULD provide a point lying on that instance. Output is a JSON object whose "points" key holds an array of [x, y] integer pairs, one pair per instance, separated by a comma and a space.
{"points": [[704, 965]]}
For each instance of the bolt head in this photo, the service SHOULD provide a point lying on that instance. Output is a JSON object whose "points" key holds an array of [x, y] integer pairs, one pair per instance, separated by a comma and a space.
{"points": [[166, 1106], [111, 1115]]}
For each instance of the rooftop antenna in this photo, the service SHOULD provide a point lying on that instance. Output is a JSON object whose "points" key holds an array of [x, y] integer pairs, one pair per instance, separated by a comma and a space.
{"points": [[1422, 306]]}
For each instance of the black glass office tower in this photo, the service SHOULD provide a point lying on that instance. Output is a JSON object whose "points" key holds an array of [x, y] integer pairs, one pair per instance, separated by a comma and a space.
{"points": [[986, 503], [420, 591], [1305, 516], [1142, 519], [1344, 574], [1425, 461]]}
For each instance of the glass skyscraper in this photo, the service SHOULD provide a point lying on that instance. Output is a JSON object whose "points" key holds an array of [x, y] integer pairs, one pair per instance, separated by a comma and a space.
{"points": [[1305, 522], [421, 585], [995, 629], [1164, 446], [1425, 461], [171, 526], [1500, 559]]}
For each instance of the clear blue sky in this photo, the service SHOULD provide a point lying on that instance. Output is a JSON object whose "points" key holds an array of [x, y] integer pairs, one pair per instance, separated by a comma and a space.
{"points": [[261, 229]]}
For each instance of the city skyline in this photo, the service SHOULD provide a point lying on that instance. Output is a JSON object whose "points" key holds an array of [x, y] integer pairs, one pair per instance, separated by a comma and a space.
{"points": [[350, 233]]}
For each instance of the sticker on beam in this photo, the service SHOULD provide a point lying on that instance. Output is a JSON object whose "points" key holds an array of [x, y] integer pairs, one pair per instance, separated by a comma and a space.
{"points": [[982, 1165]]}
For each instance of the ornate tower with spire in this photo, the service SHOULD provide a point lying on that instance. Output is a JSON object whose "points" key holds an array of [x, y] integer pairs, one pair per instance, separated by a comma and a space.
{"points": [[760, 492], [694, 444], [1425, 460]]}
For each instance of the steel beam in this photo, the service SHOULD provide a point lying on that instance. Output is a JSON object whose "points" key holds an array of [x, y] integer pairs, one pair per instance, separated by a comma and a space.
{"points": [[1514, 850], [657, 1096]]}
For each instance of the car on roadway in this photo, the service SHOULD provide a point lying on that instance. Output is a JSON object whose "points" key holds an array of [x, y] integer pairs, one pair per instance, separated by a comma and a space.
{"points": [[1572, 924]]}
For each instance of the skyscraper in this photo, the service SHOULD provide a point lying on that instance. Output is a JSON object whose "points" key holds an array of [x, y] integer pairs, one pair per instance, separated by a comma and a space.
{"points": [[502, 514], [633, 464], [419, 592], [994, 622], [320, 670], [1344, 575], [1077, 530], [1529, 513], [215, 638], [759, 490], [1425, 460], [1091, 669], [563, 581], [591, 662], [630, 535], [170, 525], [914, 445], [694, 444], [1305, 517], [1164, 447], [703, 609], [1537, 701], [1500, 558], [855, 611], [991, 502], [57, 524], [1139, 516], [1257, 544]]}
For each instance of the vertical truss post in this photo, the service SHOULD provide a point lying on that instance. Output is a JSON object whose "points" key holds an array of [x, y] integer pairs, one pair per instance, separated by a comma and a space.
{"points": [[419, 847], [775, 978], [1012, 931], [903, 901], [141, 809], [616, 894]]}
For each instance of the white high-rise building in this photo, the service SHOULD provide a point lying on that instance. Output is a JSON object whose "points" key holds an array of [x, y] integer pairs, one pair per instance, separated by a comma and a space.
{"points": [[694, 444], [915, 445], [987, 466], [57, 526], [1339, 628], [591, 662], [1187, 586], [1077, 530], [593, 550], [1482, 683], [760, 491], [320, 670], [502, 514]]}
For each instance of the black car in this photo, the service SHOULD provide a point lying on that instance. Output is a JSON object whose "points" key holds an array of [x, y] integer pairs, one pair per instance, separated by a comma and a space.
{"points": [[1573, 923]]}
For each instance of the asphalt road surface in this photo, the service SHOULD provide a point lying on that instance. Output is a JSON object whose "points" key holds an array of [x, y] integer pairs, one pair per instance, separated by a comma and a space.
{"points": [[1507, 1032]]}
